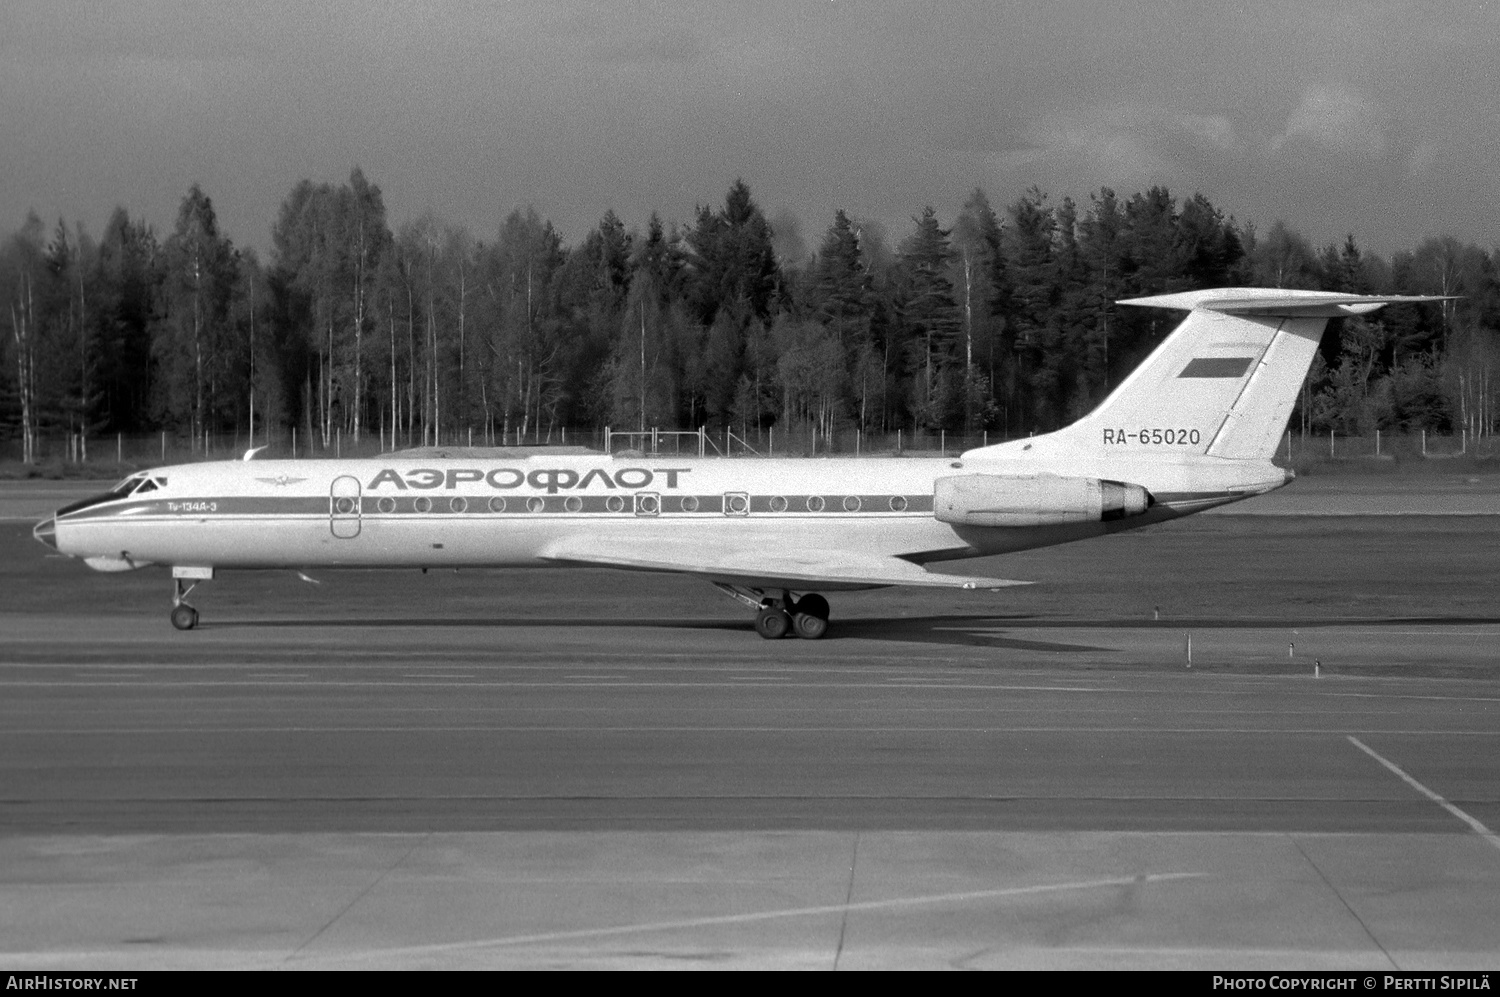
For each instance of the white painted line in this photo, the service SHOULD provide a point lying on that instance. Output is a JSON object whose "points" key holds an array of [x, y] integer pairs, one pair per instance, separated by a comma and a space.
{"points": [[421, 683], [1474, 825], [769, 915], [328, 728]]}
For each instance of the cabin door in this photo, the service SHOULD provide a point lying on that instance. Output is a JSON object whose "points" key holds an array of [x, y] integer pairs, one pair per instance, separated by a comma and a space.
{"points": [[343, 507]]}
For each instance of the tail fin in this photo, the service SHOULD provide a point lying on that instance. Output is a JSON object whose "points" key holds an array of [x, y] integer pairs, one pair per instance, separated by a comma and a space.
{"points": [[1224, 382]]}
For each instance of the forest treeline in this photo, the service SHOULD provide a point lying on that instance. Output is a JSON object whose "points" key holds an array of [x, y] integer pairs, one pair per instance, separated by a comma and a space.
{"points": [[996, 320]]}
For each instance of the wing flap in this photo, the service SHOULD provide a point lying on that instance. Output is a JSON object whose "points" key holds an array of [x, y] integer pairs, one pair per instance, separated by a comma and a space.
{"points": [[803, 569]]}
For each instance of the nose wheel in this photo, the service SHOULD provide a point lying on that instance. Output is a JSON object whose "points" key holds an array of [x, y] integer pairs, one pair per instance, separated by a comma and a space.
{"points": [[184, 617]]}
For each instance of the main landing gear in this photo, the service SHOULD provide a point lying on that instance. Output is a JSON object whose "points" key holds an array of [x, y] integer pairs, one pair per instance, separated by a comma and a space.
{"points": [[806, 617]]}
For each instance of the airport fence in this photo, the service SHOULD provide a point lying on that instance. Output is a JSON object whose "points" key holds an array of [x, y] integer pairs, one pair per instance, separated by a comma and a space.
{"points": [[106, 452], [166, 447]]}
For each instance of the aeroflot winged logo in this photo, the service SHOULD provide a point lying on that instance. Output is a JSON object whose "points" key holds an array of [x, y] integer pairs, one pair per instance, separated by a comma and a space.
{"points": [[552, 479]]}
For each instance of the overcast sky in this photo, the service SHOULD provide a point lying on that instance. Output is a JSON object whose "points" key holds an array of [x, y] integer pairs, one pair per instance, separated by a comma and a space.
{"points": [[1381, 119]]}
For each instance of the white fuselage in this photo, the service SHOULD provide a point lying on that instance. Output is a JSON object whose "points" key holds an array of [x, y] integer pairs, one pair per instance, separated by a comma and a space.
{"points": [[465, 511]]}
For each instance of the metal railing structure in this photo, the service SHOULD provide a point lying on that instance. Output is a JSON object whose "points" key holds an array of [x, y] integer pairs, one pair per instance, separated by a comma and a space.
{"points": [[149, 449], [1384, 445]]}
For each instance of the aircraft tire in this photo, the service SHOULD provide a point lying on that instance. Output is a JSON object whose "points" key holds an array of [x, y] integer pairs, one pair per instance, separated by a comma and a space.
{"points": [[772, 624], [810, 627], [184, 617], [813, 605]]}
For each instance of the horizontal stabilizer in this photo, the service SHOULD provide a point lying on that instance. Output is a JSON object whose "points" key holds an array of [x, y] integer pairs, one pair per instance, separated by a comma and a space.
{"points": [[802, 570], [1282, 302]]}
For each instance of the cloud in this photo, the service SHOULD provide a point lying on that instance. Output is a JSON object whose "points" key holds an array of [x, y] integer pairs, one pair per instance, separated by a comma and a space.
{"points": [[1336, 119], [1132, 144], [1209, 129], [1422, 159]]}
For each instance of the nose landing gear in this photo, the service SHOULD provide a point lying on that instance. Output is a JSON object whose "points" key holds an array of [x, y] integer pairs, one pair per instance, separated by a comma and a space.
{"points": [[184, 580], [806, 617], [184, 617]]}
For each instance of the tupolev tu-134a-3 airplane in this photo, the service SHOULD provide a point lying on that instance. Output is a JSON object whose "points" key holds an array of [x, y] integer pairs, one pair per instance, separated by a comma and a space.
{"points": [[1194, 426]]}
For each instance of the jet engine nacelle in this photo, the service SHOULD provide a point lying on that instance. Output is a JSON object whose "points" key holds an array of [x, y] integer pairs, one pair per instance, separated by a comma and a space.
{"points": [[1034, 500]]}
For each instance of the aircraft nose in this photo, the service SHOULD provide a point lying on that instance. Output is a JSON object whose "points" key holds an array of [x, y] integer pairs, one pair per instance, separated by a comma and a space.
{"points": [[46, 531]]}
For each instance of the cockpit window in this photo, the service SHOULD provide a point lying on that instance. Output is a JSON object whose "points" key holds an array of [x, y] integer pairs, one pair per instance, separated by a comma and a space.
{"points": [[138, 483], [127, 486]]}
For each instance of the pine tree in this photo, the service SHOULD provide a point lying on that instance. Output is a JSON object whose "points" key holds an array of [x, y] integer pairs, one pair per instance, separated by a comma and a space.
{"points": [[841, 289], [931, 318], [199, 280]]}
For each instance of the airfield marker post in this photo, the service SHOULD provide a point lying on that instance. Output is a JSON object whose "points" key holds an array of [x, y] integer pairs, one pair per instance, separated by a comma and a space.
{"points": [[1424, 443], [1330, 444], [1377, 443], [119, 447], [164, 446], [1190, 649]]}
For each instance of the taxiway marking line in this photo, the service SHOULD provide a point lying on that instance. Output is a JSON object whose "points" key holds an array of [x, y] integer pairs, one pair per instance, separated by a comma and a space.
{"points": [[324, 728], [769, 915], [419, 684], [1474, 825]]}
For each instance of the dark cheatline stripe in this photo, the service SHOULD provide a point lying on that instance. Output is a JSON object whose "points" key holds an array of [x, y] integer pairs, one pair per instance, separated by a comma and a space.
{"points": [[1217, 367], [307, 506]]}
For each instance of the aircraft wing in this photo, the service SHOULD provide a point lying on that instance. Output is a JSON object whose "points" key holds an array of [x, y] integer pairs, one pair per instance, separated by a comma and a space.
{"points": [[823, 570]]}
